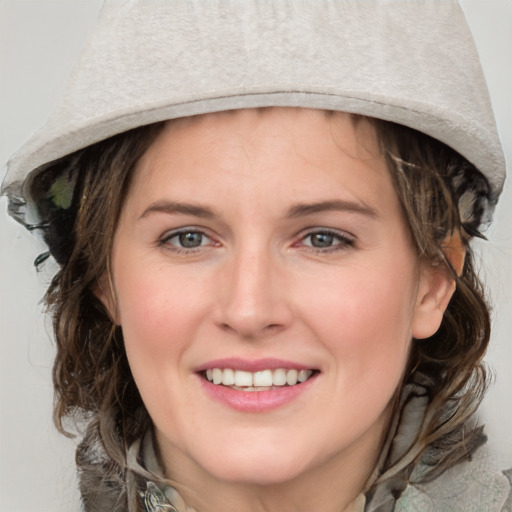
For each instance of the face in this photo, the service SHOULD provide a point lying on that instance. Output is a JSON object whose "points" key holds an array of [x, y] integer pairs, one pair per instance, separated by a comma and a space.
{"points": [[268, 292]]}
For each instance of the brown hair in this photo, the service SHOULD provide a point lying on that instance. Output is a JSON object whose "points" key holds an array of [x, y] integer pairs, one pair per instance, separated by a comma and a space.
{"points": [[92, 378], [93, 383], [432, 181]]}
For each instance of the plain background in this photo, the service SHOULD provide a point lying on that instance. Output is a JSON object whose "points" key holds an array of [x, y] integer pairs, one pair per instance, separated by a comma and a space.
{"points": [[39, 41]]}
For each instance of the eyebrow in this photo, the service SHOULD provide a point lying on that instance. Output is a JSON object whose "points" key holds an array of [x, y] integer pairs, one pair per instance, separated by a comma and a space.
{"points": [[173, 207], [301, 210]]}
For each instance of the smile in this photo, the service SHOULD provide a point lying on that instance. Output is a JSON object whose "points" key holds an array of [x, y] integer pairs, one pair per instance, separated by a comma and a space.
{"points": [[263, 380]]}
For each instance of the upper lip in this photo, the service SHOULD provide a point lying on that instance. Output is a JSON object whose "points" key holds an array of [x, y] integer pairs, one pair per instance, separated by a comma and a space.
{"points": [[254, 365]]}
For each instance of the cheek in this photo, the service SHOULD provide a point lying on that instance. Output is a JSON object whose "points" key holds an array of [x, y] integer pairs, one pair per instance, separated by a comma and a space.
{"points": [[156, 315], [363, 299], [159, 317], [364, 317]]}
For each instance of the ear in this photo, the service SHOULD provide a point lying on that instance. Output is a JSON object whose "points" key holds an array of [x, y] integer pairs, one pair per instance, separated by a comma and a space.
{"points": [[435, 290], [104, 291], [437, 285]]}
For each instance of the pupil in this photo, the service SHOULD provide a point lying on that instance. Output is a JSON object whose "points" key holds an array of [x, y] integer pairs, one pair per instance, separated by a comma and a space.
{"points": [[190, 240], [321, 240]]}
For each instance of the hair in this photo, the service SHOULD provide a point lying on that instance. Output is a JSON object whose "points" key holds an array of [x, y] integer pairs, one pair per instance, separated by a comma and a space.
{"points": [[93, 383], [433, 182]]}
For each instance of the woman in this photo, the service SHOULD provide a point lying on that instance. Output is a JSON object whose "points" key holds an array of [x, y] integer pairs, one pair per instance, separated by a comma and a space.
{"points": [[370, 247]]}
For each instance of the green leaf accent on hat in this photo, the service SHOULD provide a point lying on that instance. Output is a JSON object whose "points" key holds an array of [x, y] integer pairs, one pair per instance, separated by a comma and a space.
{"points": [[61, 192]]}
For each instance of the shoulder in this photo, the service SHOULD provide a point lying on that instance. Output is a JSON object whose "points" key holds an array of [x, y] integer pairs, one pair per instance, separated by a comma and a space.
{"points": [[472, 486]]}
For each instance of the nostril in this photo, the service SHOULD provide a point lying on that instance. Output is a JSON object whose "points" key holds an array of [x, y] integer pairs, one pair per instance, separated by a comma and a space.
{"points": [[248, 331], [227, 327]]}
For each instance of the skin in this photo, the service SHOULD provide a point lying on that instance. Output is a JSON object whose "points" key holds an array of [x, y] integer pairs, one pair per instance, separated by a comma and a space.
{"points": [[256, 287]]}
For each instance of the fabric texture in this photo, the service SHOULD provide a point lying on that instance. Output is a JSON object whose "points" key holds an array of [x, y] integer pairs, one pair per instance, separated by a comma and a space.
{"points": [[473, 486], [151, 60]]}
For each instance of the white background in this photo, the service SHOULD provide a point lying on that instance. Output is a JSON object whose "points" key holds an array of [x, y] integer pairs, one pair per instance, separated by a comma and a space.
{"points": [[39, 41]]}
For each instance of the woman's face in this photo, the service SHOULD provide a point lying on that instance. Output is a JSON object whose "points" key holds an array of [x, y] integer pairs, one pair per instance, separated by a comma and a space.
{"points": [[260, 248]]}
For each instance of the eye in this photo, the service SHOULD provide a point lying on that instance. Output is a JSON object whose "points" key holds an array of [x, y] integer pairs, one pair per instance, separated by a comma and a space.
{"points": [[327, 239], [321, 240], [186, 239]]}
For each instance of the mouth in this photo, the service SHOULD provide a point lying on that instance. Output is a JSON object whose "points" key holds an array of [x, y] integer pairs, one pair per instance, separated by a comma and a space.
{"points": [[263, 380], [258, 385]]}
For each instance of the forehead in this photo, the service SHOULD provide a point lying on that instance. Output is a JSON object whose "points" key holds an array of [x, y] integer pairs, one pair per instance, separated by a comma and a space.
{"points": [[307, 154], [355, 135]]}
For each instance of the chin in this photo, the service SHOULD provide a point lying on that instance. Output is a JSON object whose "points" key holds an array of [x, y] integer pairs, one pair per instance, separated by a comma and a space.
{"points": [[260, 465], [265, 473]]}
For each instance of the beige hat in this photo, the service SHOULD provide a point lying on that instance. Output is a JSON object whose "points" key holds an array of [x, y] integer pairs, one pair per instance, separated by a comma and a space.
{"points": [[411, 62]]}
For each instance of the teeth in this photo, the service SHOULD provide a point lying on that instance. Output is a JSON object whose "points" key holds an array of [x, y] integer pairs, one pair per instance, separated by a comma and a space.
{"points": [[303, 375], [228, 377], [291, 377], [264, 379], [242, 378], [217, 375], [279, 377]]}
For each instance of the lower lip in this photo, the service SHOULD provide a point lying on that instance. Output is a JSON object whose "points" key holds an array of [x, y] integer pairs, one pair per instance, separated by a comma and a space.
{"points": [[256, 401]]}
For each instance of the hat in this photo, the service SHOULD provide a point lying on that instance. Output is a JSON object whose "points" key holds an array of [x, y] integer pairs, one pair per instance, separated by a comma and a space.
{"points": [[410, 62]]}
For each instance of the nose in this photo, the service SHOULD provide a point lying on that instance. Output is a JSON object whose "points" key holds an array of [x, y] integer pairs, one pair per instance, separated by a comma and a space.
{"points": [[252, 296]]}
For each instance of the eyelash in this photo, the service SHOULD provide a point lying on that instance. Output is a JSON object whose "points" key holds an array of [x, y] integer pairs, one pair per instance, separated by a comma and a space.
{"points": [[344, 241]]}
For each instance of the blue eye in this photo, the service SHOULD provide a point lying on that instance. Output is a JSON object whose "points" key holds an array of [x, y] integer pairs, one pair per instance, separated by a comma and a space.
{"points": [[326, 240], [187, 239], [190, 240], [321, 240]]}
